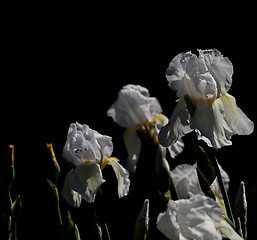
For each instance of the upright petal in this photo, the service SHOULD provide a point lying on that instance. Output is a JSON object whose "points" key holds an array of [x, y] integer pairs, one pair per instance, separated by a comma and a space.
{"points": [[122, 176], [188, 75], [105, 143], [220, 68], [86, 180], [178, 126], [133, 146], [134, 106], [73, 198], [210, 124], [237, 120]]}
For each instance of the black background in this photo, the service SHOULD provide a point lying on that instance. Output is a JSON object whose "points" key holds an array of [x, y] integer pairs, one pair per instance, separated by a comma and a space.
{"points": [[61, 66]]}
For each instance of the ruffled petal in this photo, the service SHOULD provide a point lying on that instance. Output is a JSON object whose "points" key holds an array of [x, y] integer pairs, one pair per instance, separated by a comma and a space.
{"points": [[122, 176], [73, 198], [133, 146], [134, 106], [178, 126], [220, 68], [237, 120], [189, 75], [86, 180], [198, 217], [167, 222], [210, 124], [186, 180]]}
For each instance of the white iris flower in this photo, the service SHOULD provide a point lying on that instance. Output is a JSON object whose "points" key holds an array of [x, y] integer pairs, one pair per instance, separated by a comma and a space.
{"points": [[137, 111], [89, 152], [204, 105], [197, 218]]}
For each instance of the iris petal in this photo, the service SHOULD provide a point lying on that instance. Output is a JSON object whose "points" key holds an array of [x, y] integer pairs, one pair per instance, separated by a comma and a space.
{"points": [[237, 120], [133, 146], [86, 180], [210, 124], [178, 126]]}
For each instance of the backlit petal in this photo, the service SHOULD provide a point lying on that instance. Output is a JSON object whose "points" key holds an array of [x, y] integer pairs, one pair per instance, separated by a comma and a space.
{"points": [[210, 124], [220, 68], [237, 120]]}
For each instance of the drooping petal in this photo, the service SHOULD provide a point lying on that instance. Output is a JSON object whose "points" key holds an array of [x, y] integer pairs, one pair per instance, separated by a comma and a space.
{"points": [[185, 180], [133, 146], [178, 126], [73, 198], [210, 124], [86, 180], [237, 120], [122, 176], [220, 68], [133, 107]]}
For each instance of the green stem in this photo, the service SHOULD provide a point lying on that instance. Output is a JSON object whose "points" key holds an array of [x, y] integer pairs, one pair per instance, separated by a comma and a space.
{"points": [[59, 214], [222, 187], [107, 231]]}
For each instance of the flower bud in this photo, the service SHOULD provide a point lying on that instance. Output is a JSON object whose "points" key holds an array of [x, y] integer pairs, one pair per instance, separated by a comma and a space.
{"points": [[240, 208], [7, 173], [142, 223], [16, 208], [96, 232], [53, 168]]}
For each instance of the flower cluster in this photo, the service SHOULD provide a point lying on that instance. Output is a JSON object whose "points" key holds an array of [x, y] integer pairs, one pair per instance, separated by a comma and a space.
{"points": [[201, 208]]}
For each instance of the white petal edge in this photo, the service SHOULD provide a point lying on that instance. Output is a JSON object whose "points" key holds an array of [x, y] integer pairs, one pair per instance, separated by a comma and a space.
{"points": [[122, 176], [73, 198]]}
